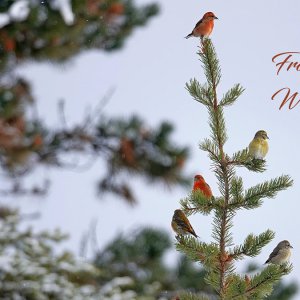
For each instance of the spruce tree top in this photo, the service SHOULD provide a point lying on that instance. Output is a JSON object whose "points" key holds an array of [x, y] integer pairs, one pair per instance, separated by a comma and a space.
{"points": [[219, 256]]}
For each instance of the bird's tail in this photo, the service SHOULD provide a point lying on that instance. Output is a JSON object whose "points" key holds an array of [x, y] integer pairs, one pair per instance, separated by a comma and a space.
{"points": [[194, 233], [189, 35]]}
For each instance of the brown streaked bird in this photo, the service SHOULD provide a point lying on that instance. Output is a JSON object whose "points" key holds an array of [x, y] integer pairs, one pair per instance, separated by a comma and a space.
{"points": [[280, 254], [200, 184], [181, 225], [204, 27]]}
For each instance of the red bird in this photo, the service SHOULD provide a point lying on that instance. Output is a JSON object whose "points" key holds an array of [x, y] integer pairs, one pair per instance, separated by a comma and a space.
{"points": [[200, 184], [204, 27]]}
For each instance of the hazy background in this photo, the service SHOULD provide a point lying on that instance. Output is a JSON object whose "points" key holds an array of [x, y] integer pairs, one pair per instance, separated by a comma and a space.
{"points": [[149, 77]]}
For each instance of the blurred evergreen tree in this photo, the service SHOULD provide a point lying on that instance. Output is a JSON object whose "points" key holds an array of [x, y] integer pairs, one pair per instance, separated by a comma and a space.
{"points": [[140, 256], [30, 268], [40, 31], [130, 267], [45, 35]]}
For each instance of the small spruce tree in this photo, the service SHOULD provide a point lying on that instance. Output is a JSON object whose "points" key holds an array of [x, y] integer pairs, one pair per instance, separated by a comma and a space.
{"points": [[219, 256]]}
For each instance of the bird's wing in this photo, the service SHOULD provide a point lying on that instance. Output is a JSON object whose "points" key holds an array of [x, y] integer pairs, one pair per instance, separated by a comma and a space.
{"points": [[199, 22], [208, 186], [187, 226], [184, 224], [253, 146], [274, 253]]}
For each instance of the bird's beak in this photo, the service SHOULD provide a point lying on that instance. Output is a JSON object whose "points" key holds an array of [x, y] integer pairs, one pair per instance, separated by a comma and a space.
{"points": [[268, 138], [291, 246], [216, 18]]}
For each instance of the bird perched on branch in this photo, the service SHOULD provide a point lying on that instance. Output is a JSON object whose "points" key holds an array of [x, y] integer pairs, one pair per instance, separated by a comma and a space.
{"points": [[200, 184], [181, 225], [280, 254], [258, 147], [204, 27]]}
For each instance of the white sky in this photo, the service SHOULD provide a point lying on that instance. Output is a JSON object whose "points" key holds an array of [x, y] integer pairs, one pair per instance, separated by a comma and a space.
{"points": [[149, 75]]}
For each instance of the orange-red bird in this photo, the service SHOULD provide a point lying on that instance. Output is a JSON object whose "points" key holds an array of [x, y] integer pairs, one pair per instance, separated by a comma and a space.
{"points": [[181, 225], [204, 27], [200, 184]]}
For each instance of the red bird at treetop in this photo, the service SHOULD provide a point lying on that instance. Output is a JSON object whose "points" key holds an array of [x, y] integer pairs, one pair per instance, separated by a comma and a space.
{"points": [[204, 27], [200, 184]]}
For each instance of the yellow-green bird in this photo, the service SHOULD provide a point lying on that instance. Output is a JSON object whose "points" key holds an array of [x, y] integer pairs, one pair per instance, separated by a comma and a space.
{"points": [[258, 147], [181, 225]]}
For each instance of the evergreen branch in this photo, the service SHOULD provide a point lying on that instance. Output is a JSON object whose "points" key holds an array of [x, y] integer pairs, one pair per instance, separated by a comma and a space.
{"points": [[256, 165], [236, 191], [231, 96], [210, 62], [224, 185], [261, 285], [253, 196], [240, 156], [212, 278], [200, 93], [223, 218], [222, 232], [191, 296], [207, 254], [268, 189], [213, 151], [198, 202], [221, 227], [222, 224], [212, 72], [252, 245], [235, 284], [242, 159], [217, 125]]}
